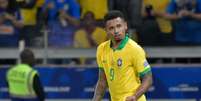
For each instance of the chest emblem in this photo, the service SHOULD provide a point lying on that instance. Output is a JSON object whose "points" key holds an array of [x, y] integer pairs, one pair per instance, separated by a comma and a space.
{"points": [[119, 62]]}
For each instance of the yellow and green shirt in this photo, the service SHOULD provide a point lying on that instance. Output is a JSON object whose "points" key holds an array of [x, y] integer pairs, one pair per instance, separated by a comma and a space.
{"points": [[98, 7], [81, 41], [123, 68], [160, 6]]}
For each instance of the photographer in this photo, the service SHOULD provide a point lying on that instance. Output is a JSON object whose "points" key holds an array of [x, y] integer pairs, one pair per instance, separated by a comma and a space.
{"points": [[186, 15]]}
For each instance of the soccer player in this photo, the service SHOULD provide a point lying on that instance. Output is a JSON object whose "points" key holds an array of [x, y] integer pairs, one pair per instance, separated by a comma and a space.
{"points": [[122, 63]]}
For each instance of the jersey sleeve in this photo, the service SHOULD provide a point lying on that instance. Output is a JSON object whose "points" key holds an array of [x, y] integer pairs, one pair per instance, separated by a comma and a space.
{"points": [[99, 57], [140, 63]]}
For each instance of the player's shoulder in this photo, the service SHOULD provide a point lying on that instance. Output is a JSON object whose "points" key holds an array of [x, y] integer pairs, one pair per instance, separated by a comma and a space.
{"points": [[134, 45], [104, 44]]}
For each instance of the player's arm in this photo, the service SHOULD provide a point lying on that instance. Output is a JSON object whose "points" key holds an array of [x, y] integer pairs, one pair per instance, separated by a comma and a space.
{"points": [[144, 72], [146, 83], [101, 86]]}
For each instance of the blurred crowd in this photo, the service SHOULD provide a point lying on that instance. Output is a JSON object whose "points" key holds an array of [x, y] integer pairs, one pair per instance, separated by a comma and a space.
{"points": [[79, 23]]}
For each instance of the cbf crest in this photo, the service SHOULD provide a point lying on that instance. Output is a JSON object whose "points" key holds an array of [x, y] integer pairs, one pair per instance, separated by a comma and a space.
{"points": [[119, 62]]}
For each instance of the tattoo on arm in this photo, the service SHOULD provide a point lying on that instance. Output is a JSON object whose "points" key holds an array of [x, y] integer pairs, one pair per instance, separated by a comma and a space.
{"points": [[101, 86], [146, 83]]}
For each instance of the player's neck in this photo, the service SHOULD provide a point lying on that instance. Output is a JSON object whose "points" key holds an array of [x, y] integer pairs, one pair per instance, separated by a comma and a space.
{"points": [[116, 43]]}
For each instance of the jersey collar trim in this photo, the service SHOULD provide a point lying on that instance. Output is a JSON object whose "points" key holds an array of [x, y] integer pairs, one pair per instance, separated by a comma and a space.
{"points": [[123, 43]]}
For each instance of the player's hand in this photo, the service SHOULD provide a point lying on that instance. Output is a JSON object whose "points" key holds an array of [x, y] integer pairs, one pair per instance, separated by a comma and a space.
{"points": [[131, 98]]}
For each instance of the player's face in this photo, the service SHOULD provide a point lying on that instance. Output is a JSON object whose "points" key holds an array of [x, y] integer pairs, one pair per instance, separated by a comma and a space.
{"points": [[116, 29]]}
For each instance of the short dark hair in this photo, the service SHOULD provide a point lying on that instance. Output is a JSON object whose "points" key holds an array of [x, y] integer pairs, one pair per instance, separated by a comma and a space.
{"points": [[27, 56], [112, 15]]}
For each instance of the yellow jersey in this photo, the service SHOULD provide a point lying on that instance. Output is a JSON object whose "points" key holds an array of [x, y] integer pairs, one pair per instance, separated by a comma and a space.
{"points": [[160, 6], [81, 41], [98, 7], [29, 16], [123, 67]]}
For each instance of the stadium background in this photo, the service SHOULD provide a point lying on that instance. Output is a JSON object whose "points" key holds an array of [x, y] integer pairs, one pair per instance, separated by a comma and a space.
{"points": [[176, 65], [171, 83], [70, 82]]}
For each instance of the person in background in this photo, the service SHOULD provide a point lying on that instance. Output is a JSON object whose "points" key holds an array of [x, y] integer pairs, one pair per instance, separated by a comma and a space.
{"points": [[62, 20], [40, 16], [155, 30], [50, 12], [69, 12], [131, 9], [123, 67], [89, 35], [186, 15], [98, 7], [10, 24], [23, 81], [132, 12], [28, 10]]}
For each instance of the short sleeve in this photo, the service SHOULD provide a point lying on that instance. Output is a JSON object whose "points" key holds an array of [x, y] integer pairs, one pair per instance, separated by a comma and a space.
{"points": [[99, 57], [140, 63]]}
